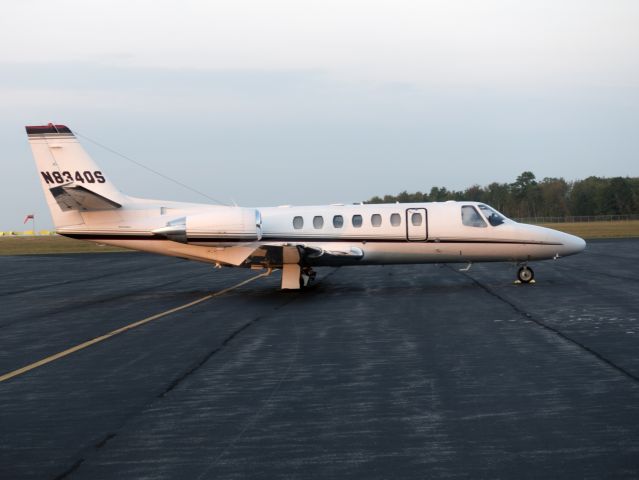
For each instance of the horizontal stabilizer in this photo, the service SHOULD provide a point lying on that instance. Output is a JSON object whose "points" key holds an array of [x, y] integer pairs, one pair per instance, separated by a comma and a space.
{"points": [[81, 199]]}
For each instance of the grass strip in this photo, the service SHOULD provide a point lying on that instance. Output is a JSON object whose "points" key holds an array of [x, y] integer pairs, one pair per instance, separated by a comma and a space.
{"points": [[590, 230], [51, 244]]}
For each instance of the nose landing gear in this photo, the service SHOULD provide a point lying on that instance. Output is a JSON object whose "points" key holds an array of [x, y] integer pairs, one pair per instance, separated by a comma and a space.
{"points": [[525, 274]]}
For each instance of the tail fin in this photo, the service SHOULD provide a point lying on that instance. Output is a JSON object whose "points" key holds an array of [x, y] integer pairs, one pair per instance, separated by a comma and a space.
{"points": [[71, 180]]}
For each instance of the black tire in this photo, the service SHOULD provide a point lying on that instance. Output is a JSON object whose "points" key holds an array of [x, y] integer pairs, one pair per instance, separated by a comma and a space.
{"points": [[525, 274]]}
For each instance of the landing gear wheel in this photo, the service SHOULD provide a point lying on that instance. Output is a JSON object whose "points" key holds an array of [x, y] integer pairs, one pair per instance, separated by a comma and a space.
{"points": [[307, 277], [525, 274]]}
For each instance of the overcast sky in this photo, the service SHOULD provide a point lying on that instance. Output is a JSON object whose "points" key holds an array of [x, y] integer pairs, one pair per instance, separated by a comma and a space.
{"points": [[307, 102]]}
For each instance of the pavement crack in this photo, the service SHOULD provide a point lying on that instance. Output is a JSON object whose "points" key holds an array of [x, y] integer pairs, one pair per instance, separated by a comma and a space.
{"points": [[609, 275], [69, 470], [222, 346], [93, 449], [106, 299], [82, 459], [231, 337], [247, 426], [77, 280], [104, 441], [602, 358]]}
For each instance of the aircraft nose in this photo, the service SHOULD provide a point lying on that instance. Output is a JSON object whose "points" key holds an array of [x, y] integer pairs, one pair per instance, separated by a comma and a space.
{"points": [[571, 244]]}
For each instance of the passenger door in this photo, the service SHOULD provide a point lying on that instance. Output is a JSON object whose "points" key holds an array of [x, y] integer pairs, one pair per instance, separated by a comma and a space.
{"points": [[416, 224]]}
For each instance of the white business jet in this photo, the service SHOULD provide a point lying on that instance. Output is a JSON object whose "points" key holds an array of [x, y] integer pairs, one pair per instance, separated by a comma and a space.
{"points": [[86, 205]]}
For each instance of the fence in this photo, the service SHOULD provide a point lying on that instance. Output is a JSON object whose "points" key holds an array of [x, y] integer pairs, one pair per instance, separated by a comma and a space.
{"points": [[576, 219]]}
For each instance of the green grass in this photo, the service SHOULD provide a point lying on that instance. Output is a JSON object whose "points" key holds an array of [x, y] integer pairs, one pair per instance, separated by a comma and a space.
{"points": [[50, 244], [590, 230]]}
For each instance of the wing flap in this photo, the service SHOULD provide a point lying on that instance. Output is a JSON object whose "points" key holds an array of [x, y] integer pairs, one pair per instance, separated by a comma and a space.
{"points": [[316, 252], [278, 254]]}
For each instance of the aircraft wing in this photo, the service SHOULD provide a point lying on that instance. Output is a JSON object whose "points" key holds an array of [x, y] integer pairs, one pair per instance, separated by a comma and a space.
{"points": [[316, 252], [278, 254]]}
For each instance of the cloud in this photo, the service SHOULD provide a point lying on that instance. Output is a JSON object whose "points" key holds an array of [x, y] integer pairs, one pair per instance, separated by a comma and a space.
{"points": [[76, 76], [431, 42]]}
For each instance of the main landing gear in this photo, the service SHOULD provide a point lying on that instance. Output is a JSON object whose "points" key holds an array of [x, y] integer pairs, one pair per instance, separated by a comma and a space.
{"points": [[295, 277], [525, 274], [307, 277]]}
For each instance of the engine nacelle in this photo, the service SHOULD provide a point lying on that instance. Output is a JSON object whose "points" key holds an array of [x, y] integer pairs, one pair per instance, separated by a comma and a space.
{"points": [[222, 225], [232, 224]]}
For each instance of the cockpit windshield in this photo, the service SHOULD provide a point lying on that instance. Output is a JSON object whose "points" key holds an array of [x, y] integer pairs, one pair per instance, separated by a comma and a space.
{"points": [[494, 217], [471, 217]]}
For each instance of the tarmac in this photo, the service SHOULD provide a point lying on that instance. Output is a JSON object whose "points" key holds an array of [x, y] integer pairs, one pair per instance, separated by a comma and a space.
{"points": [[376, 372]]}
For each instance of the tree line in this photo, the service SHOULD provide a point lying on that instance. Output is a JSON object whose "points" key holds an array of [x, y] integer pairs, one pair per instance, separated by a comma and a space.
{"points": [[550, 197]]}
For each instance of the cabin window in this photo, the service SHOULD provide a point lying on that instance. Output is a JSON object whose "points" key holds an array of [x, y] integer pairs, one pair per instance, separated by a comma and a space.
{"points": [[494, 218], [396, 219], [416, 219], [376, 220], [338, 221], [471, 217], [298, 223], [357, 221], [318, 222]]}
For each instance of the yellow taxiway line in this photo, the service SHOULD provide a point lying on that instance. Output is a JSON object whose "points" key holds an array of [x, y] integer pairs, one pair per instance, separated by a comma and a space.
{"points": [[126, 328]]}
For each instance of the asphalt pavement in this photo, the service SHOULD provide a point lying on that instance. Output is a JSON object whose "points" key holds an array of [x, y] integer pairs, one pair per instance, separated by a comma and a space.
{"points": [[417, 371]]}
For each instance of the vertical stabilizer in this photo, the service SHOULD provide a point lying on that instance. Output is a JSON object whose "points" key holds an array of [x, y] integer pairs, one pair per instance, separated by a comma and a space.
{"points": [[72, 182]]}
